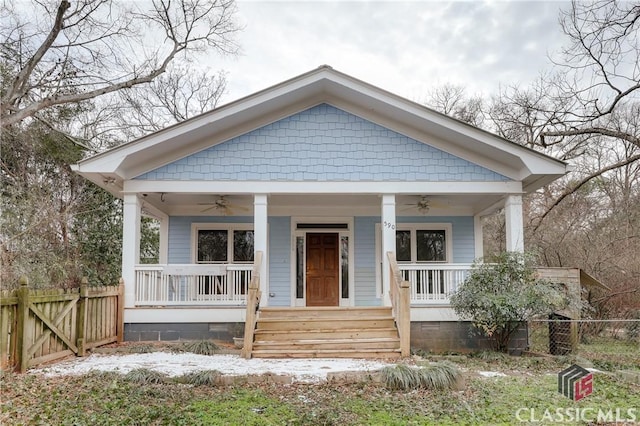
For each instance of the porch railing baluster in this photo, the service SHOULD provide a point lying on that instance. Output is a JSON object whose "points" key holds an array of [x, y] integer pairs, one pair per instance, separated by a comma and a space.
{"points": [[161, 285], [433, 283]]}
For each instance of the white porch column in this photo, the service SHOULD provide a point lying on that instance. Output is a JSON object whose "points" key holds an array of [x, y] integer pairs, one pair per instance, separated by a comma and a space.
{"points": [[260, 242], [388, 242], [478, 237], [513, 223], [163, 255], [131, 213]]}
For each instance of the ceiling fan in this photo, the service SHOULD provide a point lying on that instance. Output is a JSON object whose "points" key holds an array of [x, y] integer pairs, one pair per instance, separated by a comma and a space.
{"points": [[424, 204], [223, 206]]}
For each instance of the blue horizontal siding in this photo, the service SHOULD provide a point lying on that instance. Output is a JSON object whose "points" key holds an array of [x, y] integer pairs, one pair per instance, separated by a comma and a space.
{"points": [[365, 261], [280, 261]]}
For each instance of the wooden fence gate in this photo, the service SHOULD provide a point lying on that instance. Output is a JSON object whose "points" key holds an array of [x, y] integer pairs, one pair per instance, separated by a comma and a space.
{"points": [[39, 326]]}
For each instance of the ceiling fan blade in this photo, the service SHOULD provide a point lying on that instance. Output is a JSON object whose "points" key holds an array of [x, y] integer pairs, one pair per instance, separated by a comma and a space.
{"points": [[213, 207], [237, 207]]}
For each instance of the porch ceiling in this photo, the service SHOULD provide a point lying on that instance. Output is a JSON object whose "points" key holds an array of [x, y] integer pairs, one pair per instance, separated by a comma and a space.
{"points": [[319, 204]]}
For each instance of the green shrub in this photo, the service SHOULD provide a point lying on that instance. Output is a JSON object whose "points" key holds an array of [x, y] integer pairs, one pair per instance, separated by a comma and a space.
{"points": [[498, 296]]}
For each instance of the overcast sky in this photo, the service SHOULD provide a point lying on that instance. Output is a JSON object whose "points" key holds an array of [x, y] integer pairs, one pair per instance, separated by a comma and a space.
{"points": [[404, 47]]}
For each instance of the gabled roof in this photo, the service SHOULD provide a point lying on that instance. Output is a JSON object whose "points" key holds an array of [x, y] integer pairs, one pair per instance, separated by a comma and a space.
{"points": [[322, 85]]}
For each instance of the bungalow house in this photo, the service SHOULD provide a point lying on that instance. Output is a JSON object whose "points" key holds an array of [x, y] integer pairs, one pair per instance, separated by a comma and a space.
{"points": [[324, 212]]}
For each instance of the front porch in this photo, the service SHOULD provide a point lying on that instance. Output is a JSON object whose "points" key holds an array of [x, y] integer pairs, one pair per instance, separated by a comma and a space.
{"points": [[321, 260]]}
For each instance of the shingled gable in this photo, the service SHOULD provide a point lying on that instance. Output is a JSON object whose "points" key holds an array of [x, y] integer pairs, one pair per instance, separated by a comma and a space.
{"points": [[323, 85]]}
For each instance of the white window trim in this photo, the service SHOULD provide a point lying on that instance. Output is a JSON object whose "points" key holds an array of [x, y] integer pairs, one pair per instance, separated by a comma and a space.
{"points": [[413, 227], [229, 227]]}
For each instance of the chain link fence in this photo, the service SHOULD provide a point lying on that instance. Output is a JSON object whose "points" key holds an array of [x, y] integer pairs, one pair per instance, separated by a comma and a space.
{"points": [[608, 344]]}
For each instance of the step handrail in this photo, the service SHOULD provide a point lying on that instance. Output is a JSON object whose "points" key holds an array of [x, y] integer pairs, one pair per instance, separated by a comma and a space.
{"points": [[253, 304], [401, 304]]}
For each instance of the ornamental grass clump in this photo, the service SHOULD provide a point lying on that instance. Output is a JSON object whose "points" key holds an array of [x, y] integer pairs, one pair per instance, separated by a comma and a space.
{"points": [[437, 376], [201, 347], [144, 376], [442, 375], [200, 378], [144, 348], [490, 356]]}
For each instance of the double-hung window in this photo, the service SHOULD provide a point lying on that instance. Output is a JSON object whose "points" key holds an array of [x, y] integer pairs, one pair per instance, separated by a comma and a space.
{"points": [[416, 244], [424, 244], [223, 244]]}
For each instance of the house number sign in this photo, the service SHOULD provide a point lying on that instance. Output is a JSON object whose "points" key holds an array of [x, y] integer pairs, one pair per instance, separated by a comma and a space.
{"points": [[389, 225]]}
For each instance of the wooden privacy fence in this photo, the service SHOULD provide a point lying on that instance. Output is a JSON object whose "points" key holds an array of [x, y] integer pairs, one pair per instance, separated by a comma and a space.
{"points": [[39, 326]]}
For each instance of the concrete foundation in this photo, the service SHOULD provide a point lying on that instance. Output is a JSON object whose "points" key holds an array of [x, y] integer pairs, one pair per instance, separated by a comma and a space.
{"points": [[458, 336], [182, 331], [429, 336]]}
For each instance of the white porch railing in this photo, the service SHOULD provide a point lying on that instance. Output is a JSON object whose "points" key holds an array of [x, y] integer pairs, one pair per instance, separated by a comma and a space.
{"points": [[174, 284], [434, 283]]}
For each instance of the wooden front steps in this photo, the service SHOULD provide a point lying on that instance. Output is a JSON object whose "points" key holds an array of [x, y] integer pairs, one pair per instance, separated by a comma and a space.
{"points": [[326, 333]]}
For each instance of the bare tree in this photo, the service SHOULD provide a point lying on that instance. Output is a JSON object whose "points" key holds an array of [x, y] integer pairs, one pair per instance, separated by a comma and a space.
{"points": [[452, 100], [54, 55], [175, 96], [601, 67], [597, 95]]}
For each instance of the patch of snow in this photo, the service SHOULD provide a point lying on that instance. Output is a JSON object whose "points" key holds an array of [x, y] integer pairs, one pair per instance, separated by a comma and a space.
{"points": [[301, 370], [491, 374]]}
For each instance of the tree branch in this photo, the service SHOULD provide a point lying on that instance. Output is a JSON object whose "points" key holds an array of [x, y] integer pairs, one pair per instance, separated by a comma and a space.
{"points": [[20, 84], [590, 131], [574, 188], [34, 107]]}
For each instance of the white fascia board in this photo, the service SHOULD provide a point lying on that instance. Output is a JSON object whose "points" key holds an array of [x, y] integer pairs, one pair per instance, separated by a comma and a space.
{"points": [[508, 168], [299, 89], [535, 161], [222, 132], [316, 187], [459, 139]]}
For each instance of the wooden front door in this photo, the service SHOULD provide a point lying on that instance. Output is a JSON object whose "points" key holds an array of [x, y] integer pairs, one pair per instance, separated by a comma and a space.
{"points": [[323, 285]]}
